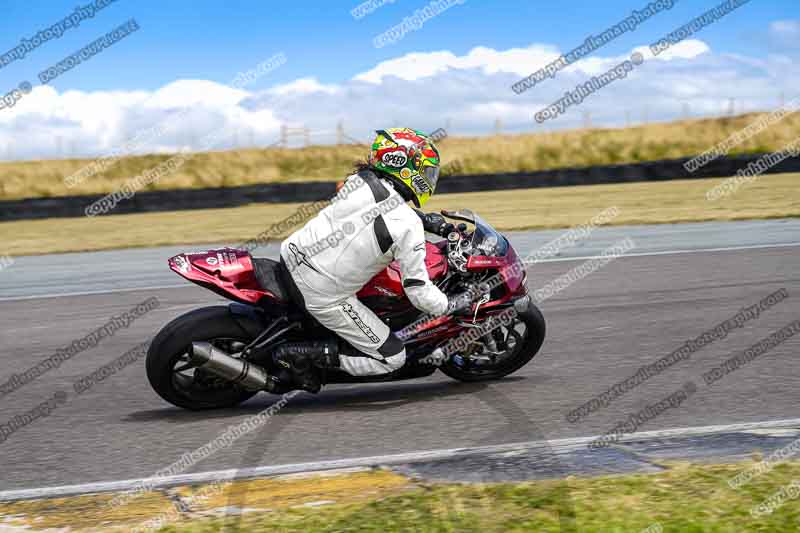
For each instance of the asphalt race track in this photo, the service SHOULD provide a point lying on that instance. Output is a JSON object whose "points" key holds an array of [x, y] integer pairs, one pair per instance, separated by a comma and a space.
{"points": [[678, 282]]}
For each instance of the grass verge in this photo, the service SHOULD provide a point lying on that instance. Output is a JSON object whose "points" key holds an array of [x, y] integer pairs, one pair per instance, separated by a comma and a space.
{"points": [[773, 196], [464, 155], [682, 498]]}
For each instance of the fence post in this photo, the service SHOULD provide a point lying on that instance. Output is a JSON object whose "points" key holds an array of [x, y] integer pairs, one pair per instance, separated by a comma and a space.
{"points": [[339, 133]]}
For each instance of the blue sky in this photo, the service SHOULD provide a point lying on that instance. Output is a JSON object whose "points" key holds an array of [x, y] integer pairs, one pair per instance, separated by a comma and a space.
{"points": [[458, 67], [212, 40]]}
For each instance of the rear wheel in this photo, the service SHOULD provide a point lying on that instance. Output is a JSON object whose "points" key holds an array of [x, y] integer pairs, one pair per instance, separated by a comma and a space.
{"points": [[521, 340], [180, 383]]}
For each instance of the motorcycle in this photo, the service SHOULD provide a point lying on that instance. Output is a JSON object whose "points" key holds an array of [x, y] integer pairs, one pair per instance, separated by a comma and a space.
{"points": [[220, 356]]}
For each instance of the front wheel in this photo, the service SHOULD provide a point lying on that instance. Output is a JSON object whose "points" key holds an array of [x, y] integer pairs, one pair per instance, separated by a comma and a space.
{"points": [[174, 378], [522, 342]]}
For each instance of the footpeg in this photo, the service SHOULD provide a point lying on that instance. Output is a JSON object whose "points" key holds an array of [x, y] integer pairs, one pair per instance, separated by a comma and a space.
{"points": [[280, 384], [435, 358]]}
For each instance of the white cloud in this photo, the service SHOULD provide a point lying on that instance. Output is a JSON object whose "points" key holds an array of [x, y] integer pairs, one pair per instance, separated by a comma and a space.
{"points": [[519, 61], [303, 86], [687, 49], [184, 93], [425, 90], [418, 65]]}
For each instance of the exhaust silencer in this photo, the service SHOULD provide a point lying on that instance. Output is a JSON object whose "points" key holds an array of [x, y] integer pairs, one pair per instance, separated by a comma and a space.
{"points": [[219, 363]]}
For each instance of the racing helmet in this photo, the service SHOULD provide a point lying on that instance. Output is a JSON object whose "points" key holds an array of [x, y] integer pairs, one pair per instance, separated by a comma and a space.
{"points": [[410, 159]]}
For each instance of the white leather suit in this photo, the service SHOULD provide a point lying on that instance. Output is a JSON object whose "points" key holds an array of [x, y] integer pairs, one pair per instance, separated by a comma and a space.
{"points": [[367, 225]]}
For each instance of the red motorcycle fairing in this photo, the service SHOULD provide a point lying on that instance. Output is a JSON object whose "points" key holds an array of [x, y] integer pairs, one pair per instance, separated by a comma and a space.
{"points": [[513, 277], [228, 272]]}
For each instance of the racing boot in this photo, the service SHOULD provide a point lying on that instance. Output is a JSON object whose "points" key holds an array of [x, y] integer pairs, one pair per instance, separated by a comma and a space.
{"points": [[304, 360]]}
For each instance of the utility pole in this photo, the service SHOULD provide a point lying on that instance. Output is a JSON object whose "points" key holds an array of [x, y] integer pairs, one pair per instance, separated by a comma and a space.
{"points": [[339, 133], [498, 126]]}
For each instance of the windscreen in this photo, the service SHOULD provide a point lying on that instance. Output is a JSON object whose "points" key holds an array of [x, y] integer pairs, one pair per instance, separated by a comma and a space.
{"points": [[487, 241]]}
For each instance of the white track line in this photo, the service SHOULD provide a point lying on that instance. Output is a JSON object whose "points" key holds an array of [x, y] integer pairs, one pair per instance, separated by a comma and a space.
{"points": [[90, 293], [670, 252], [530, 263], [556, 446]]}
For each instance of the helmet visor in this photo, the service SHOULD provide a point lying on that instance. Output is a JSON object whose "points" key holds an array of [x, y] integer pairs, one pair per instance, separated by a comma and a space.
{"points": [[431, 174]]}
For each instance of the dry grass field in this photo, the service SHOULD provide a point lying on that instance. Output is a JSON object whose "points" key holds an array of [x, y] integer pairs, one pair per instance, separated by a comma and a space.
{"points": [[683, 497], [504, 153], [773, 196]]}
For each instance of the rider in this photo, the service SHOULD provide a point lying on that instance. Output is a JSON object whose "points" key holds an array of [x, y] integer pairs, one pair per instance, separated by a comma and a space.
{"points": [[367, 225]]}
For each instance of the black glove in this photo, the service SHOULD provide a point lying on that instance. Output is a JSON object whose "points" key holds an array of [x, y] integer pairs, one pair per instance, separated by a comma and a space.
{"points": [[462, 302], [435, 223], [459, 303]]}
